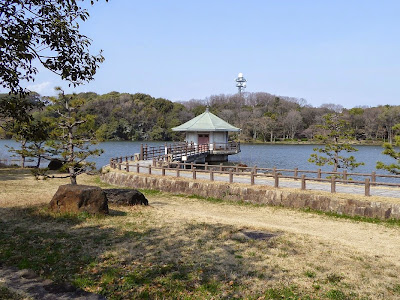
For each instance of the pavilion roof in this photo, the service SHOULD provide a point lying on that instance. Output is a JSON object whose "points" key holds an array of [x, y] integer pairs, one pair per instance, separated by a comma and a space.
{"points": [[207, 121]]}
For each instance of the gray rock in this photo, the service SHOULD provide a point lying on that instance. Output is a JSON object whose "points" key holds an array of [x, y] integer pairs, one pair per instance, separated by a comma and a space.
{"points": [[125, 197]]}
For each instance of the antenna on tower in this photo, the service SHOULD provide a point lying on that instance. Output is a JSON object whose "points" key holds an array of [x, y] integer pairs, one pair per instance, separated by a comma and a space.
{"points": [[240, 83]]}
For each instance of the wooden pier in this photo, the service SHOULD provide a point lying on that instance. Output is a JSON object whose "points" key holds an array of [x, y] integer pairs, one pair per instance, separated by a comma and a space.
{"points": [[185, 152]]}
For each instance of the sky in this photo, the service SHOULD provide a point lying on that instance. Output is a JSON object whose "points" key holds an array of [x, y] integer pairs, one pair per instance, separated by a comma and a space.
{"points": [[342, 52]]}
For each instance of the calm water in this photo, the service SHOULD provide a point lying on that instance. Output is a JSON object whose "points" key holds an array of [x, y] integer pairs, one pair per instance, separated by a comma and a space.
{"points": [[268, 156]]}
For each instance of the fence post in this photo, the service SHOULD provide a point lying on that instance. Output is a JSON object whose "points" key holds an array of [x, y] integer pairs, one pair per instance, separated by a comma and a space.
{"points": [[154, 161], [303, 182], [255, 169], [141, 152], [237, 169], [149, 169], [211, 175], [177, 171], [296, 173], [373, 178], [191, 165], [146, 154], [274, 171], [194, 173], [319, 173], [137, 168], [333, 184], [119, 166], [127, 167], [206, 166], [220, 167], [230, 176], [252, 178], [345, 176], [276, 181], [367, 187]]}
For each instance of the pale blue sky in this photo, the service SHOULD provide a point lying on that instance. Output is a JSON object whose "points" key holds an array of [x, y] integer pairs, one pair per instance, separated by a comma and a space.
{"points": [[343, 52]]}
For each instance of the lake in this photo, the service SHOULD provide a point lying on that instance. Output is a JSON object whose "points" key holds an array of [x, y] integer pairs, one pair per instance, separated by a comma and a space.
{"points": [[268, 156]]}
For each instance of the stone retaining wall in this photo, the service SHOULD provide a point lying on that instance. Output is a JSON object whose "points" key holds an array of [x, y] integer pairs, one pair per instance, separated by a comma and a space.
{"points": [[256, 194]]}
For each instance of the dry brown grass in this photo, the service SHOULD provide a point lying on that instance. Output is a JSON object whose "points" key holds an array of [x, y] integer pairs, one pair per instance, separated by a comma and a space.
{"points": [[181, 247]]}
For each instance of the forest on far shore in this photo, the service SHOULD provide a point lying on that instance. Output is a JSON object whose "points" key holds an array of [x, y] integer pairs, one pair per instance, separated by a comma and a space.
{"points": [[263, 117]]}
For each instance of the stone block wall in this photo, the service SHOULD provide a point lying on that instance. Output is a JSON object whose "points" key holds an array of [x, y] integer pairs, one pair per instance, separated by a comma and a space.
{"points": [[256, 195]]}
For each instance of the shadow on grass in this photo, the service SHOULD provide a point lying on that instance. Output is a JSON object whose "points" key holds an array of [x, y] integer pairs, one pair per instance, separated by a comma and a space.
{"points": [[131, 254], [14, 174]]}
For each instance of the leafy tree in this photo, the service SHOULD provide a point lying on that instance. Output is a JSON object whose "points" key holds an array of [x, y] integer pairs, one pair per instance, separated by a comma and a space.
{"points": [[391, 151], [73, 135], [47, 32], [335, 135], [32, 136]]}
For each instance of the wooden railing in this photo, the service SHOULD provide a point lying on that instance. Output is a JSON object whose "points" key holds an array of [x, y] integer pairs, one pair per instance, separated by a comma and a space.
{"points": [[172, 152], [254, 172]]}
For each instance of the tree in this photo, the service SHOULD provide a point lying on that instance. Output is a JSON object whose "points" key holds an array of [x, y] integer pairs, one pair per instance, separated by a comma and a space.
{"points": [[292, 122], [335, 135], [73, 134], [391, 151], [32, 136], [47, 32]]}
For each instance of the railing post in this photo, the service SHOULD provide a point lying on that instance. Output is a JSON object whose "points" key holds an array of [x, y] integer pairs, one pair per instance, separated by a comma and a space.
{"points": [[191, 165], [230, 176], [137, 168], [319, 173], [206, 166], [367, 187], [220, 167], [276, 181], [373, 178], [149, 169], [255, 169], [211, 175], [252, 178], [127, 167], [177, 170], [345, 176], [237, 169], [296, 173], [274, 171], [333, 184], [194, 173], [163, 171], [154, 161], [303, 182], [141, 152]]}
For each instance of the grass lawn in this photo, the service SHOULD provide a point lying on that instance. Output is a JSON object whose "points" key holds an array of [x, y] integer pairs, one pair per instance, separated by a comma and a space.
{"points": [[187, 248]]}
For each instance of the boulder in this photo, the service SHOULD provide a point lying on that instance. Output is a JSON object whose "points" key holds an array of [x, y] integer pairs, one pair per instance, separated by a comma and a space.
{"points": [[79, 198], [125, 197], [55, 164]]}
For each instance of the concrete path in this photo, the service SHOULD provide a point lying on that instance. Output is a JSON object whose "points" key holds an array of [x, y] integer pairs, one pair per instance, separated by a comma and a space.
{"points": [[392, 192]]}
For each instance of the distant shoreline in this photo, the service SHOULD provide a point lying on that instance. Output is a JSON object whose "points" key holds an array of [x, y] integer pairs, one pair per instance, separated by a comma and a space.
{"points": [[361, 143]]}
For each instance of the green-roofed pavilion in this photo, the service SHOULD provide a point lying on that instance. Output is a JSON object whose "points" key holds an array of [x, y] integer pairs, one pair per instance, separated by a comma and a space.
{"points": [[207, 121], [208, 129]]}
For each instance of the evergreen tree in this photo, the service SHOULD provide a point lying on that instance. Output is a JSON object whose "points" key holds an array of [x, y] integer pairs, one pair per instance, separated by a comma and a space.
{"points": [[335, 134], [391, 151], [72, 135]]}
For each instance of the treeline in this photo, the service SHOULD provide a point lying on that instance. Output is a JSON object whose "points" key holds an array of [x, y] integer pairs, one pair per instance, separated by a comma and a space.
{"points": [[261, 116]]}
